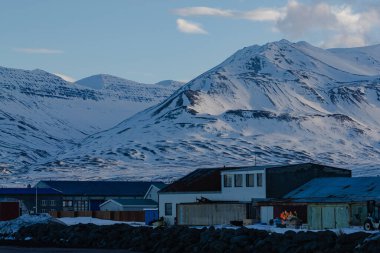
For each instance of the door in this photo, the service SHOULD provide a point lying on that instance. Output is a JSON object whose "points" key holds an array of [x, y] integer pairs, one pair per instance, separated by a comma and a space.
{"points": [[342, 217], [314, 218], [266, 213], [328, 217]]}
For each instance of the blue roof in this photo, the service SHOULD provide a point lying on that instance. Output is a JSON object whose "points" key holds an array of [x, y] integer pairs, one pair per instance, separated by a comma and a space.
{"points": [[136, 202], [101, 188], [337, 189], [28, 191]]}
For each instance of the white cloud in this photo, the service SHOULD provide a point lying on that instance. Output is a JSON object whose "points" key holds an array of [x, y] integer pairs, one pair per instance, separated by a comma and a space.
{"points": [[337, 25], [38, 51], [347, 25], [65, 77], [202, 11], [186, 26], [262, 14]]}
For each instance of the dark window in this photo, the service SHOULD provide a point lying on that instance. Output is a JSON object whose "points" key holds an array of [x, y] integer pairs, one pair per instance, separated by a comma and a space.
{"points": [[51, 202], [44, 203], [238, 180], [227, 180], [259, 179], [168, 209], [250, 180]]}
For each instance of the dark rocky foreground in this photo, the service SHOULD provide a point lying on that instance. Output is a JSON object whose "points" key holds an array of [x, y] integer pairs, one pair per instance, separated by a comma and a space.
{"points": [[184, 239]]}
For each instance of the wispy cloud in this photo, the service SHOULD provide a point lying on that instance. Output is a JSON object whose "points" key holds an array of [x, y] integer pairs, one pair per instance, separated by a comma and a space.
{"points": [[27, 50], [202, 11], [65, 77], [262, 14], [334, 25], [186, 26]]}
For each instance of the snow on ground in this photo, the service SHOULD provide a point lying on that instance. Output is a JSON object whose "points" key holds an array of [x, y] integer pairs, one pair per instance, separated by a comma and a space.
{"points": [[274, 229], [88, 220], [12, 226]]}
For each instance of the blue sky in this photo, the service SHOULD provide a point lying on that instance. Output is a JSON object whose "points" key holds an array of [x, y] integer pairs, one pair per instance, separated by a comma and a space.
{"points": [[149, 41]]}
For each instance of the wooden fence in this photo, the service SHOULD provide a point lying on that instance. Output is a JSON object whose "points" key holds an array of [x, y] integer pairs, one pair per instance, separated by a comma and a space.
{"points": [[105, 215]]}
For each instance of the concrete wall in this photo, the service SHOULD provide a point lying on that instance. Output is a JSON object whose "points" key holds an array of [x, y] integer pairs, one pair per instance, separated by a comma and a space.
{"points": [[206, 214], [244, 193], [177, 198]]}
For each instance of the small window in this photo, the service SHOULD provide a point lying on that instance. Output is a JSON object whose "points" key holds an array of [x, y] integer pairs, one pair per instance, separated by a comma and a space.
{"points": [[250, 180], [228, 180], [69, 203], [52, 202], [259, 179], [238, 180], [44, 203], [43, 211], [168, 209]]}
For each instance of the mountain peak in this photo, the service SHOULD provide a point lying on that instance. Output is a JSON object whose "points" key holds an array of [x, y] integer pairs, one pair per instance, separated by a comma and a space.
{"points": [[101, 81]]}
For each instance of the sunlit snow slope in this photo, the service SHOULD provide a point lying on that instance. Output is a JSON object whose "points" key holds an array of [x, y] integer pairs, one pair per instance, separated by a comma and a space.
{"points": [[281, 102], [41, 115]]}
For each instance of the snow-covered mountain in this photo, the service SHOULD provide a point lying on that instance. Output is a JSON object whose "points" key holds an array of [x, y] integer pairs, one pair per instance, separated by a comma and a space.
{"points": [[41, 114], [281, 102]]}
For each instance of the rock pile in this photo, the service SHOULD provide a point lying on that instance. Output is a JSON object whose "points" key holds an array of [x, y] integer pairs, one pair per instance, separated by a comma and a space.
{"points": [[186, 240]]}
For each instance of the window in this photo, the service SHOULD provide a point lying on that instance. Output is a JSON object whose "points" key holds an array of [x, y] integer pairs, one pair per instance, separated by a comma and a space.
{"points": [[52, 203], [168, 209], [43, 211], [43, 202], [238, 180], [227, 180], [250, 180], [259, 179]]}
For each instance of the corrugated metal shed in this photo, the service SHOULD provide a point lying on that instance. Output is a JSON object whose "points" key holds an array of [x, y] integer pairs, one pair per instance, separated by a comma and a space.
{"points": [[356, 189], [101, 188], [136, 202]]}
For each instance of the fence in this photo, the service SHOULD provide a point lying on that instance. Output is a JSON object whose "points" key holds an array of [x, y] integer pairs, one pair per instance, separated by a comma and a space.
{"points": [[105, 215]]}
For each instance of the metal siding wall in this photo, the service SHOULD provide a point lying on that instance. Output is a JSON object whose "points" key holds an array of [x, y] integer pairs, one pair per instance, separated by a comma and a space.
{"points": [[210, 214], [328, 216]]}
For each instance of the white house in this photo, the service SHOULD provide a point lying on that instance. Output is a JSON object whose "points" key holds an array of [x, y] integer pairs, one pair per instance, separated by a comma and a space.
{"points": [[128, 205], [240, 184]]}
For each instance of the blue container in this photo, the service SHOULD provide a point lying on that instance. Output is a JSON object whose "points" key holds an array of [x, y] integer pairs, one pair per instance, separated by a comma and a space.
{"points": [[151, 215]]}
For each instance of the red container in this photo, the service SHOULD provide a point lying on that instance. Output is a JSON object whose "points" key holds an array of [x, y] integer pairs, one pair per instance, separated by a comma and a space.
{"points": [[9, 210]]}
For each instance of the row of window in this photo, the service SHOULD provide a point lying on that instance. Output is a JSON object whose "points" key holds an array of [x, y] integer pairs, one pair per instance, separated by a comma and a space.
{"points": [[47, 202], [236, 180], [46, 210]]}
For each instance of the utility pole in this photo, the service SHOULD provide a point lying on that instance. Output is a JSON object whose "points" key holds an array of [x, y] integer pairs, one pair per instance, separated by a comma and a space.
{"points": [[36, 200]]}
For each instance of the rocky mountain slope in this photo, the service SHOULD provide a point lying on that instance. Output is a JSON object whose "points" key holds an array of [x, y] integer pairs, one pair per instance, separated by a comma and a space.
{"points": [[281, 102], [41, 114]]}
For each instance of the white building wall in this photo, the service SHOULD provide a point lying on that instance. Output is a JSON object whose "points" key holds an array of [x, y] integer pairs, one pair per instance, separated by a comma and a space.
{"points": [[244, 193], [152, 193], [177, 198], [111, 206]]}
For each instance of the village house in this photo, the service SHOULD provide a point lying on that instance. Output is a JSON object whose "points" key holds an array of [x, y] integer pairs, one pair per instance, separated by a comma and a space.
{"points": [[220, 195], [89, 195], [326, 203], [32, 200]]}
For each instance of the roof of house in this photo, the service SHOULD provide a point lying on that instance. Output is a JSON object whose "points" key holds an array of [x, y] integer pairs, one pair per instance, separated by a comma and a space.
{"points": [[200, 180], [102, 188], [337, 189], [134, 202], [28, 191]]}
